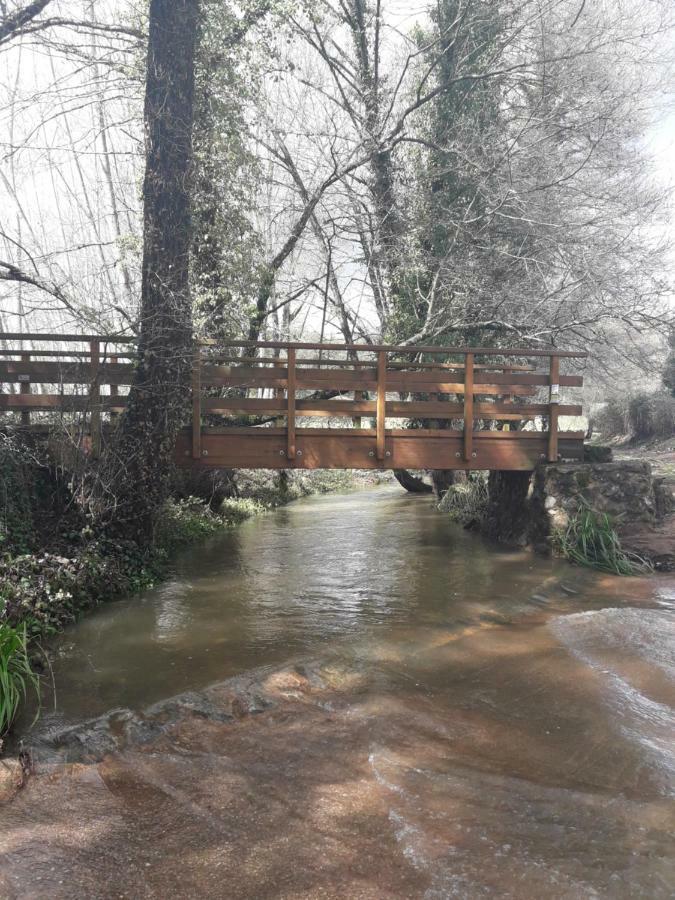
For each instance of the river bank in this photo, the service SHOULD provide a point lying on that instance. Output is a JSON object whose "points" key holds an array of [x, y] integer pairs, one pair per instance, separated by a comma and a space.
{"points": [[52, 574], [284, 719]]}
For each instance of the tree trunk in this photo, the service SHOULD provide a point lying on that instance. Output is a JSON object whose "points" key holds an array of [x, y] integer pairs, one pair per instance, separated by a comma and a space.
{"points": [[136, 472], [508, 513], [412, 483], [442, 480]]}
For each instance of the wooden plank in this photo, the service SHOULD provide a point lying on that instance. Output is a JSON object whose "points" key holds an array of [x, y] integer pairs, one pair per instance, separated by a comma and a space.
{"points": [[327, 363], [412, 433], [64, 354], [554, 397], [468, 408], [64, 373], [400, 409], [320, 408], [197, 403], [273, 345], [365, 380], [290, 414], [381, 404], [352, 448], [95, 397], [68, 338], [25, 389], [54, 402], [392, 348]]}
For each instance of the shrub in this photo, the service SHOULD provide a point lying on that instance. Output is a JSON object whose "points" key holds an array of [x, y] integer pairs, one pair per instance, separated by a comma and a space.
{"points": [[234, 511], [466, 503], [612, 419], [591, 540], [17, 490], [644, 416], [652, 415], [49, 591], [16, 674], [183, 522]]}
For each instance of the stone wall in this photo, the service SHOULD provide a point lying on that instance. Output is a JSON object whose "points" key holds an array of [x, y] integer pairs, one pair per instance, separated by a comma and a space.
{"points": [[639, 505], [624, 490]]}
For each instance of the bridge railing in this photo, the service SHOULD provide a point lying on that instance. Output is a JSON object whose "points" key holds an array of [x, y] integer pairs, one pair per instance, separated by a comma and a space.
{"points": [[44, 374], [471, 390]]}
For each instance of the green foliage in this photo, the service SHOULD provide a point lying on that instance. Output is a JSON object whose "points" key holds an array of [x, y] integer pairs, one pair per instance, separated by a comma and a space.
{"points": [[226, 250], [466, 502], [17, 498], [645, 416], [184, 522], [591, 540], [651, 415], [49, 590], [16, 674], [235, 510]]}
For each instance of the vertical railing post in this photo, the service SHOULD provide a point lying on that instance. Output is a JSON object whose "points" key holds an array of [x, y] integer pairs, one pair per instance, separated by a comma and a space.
{"points": [[95, 398], [357, 421], [468, 407], [553, 400], [114, 389], [197, 403], [290, 404], [381, 403], [25, 389], [278, 394]]}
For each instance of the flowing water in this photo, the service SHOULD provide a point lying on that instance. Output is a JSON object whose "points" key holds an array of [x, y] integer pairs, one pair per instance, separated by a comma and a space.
{"points": [[462, 721]]}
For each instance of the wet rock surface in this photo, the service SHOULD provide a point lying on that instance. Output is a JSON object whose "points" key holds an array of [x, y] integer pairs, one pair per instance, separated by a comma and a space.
{"points": [[639, 504], [327, 780], [455, 721]]}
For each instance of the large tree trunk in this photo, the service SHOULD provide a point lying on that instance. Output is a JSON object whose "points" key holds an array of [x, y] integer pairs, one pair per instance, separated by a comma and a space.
{"points": [[412, 483], [136, 473]]}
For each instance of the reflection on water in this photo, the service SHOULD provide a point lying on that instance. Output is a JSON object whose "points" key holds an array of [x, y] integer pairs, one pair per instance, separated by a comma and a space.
{"points": [[324, 570], [516, 715]]}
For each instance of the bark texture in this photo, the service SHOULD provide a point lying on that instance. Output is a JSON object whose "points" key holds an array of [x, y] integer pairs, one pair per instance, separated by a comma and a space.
{"points": [[412, 483], [136, 472], [508, 513]]}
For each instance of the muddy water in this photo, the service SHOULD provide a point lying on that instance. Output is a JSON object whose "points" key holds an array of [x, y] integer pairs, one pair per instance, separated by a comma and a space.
{"points": [[396, 709]]}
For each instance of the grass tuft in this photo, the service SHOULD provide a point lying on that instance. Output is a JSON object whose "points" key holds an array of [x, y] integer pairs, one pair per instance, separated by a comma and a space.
{"points": [[590, 540], [466, 502], [16, 673]]}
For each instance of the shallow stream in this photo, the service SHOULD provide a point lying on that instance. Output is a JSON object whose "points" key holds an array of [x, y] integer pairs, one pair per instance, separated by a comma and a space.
{"points": [[501, 725]]}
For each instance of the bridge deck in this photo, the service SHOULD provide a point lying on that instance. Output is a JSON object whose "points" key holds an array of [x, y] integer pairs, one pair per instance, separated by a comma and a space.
{"points": [[468, 405]]}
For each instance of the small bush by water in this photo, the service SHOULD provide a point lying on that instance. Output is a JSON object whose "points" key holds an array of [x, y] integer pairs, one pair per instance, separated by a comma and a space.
{"points": [[16, 674], [466, 502], [591, 540]]}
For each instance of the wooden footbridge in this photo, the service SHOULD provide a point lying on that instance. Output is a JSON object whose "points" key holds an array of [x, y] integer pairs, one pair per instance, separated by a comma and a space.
{"points": [[302, 405]]}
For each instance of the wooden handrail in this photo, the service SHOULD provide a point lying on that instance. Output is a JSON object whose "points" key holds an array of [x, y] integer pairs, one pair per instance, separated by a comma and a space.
{"points": [[68, 338], [495, 390], [389, 348]]}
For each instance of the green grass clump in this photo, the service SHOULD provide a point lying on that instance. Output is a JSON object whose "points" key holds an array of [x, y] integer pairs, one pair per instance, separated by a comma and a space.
{"points": [[184, 522], [466, 502], [16, 673], [235, 510], [591, 540]]}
